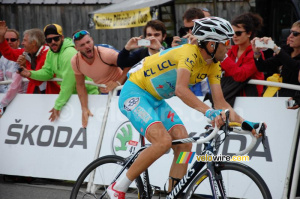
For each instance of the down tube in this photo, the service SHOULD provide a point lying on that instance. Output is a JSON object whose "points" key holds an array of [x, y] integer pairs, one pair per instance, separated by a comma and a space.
{"points": [[185, 181]]}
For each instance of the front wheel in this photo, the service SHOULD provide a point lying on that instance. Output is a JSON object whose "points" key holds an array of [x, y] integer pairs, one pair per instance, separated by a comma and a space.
{"points": [[239, 180], [105, 170]]}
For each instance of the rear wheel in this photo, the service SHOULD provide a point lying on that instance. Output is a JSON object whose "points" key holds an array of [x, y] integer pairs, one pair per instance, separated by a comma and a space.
{"points": [[239, 180], [106, 169]]}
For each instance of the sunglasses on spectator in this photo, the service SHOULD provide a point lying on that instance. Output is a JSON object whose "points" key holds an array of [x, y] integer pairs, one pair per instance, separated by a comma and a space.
{"points": [[187, 29], [11, 39], [49, 40], [295, 33], [238, 33], [78, 35], [226, 42]]}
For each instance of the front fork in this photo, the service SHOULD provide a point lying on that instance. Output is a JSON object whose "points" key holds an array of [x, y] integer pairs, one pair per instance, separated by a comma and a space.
{"points": [[216, 180]]}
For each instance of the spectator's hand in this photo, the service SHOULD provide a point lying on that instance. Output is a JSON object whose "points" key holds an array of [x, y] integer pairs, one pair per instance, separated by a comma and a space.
{"points": [[21, 60], [296, 106], [192, 39], [24, 72], [155, 44], [175, 41], [54, 114], [85, 117], [3, 29], [132, 43], [109, 86]]}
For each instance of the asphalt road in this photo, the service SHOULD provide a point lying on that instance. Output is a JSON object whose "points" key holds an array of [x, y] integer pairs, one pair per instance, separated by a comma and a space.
{"points": [[37, 189]]}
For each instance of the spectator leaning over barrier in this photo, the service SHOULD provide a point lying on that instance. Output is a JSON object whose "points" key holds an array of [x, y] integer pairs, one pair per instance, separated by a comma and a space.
{"points": [[35, 52], [98, 63], [154, 31], [58, 63], [239, 67], [8, 71], [286, 60]]}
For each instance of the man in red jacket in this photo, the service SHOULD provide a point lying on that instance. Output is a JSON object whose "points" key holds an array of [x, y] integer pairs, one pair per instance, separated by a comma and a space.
{"points": [[35, 51]]}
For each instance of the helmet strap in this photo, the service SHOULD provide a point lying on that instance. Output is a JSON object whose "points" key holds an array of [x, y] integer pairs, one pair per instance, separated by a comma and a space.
{"points": [[202, 44]]}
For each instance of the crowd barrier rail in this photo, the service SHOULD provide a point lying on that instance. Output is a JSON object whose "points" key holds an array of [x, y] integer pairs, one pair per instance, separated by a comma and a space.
{"points": [[110, 109]]}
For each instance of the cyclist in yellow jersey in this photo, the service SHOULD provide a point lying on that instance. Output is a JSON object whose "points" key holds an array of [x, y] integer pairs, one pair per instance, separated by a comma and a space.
{"points": [[166, 63], [170, 73]]}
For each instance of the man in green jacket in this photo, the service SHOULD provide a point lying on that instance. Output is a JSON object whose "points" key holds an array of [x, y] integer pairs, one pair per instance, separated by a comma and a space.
{"points": [[58, 63]]}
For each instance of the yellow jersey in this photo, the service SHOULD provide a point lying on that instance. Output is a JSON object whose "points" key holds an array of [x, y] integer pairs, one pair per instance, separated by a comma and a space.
{"points": [[157, 74]]}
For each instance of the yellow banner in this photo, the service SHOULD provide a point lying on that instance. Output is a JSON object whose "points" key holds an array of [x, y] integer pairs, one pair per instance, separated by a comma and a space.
{"points": [[125, 19]]}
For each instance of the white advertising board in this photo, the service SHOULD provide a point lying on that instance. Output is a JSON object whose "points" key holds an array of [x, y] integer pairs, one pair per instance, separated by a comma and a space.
{"points": [[270, 163], [31, 145]]}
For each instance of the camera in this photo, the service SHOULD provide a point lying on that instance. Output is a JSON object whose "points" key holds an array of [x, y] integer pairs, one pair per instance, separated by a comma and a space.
{"points": [[260, 44], [144, 42], [183, 41]]}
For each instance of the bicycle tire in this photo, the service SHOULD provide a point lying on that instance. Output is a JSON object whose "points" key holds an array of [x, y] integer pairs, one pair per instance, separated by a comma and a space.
{"points": [[104, 167], [253, 184]]}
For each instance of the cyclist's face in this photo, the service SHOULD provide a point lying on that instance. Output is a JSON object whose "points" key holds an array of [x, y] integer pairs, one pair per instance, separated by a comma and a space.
{"points": [[222, 51]]}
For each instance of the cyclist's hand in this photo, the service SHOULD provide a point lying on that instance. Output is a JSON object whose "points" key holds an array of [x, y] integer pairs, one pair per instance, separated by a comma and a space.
{"points": [[85, 117], [252, 126], [215, 116]]}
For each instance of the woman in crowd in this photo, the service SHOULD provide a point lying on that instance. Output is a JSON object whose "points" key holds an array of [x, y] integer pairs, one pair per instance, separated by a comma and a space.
{"points": [[286, 60], [239, 66]]}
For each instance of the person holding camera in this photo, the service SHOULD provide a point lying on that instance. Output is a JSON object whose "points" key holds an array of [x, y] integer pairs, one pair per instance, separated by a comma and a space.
{"points": [[155, 33], [188, 24], [286, 60]]}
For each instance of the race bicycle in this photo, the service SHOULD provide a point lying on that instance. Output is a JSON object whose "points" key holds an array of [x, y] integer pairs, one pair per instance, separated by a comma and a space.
{"points": [[202, 180]]}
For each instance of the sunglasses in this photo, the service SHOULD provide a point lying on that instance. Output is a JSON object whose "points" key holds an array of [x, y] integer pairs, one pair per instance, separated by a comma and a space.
{"points": [[49, 40], [11, 39], [238, 33], [226, 42], [187, 29], [295, 33], [78, 35]]}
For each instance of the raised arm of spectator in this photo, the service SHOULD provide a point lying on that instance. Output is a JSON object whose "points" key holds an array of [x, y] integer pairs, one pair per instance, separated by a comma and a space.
{"points": [[271, 64], [242, 70], [127, 59]]}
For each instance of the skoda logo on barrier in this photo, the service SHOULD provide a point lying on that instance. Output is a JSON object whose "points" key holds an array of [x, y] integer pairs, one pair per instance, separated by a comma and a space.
{"points": [[126, 140]]}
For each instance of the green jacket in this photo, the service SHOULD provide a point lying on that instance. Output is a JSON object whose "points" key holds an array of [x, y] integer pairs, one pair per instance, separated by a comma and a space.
{"points": [[59, 64]]}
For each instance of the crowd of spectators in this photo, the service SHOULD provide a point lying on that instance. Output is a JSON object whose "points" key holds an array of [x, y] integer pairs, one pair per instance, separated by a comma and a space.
{"points": [[48, 53]]}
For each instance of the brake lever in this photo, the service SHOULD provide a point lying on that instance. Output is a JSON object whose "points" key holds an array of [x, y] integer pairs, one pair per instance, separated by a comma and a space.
{"points": [[261, 130]]}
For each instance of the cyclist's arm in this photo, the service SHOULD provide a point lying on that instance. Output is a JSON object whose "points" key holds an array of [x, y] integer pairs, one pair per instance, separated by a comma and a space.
{"points": [[220, 103], [185, 94]]}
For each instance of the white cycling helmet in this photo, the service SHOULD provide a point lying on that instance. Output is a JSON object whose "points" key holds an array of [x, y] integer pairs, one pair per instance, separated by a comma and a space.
{"points": [[212, 29]]}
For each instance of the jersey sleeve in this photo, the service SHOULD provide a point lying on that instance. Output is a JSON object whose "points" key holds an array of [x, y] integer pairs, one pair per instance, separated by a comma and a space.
{"points": [[215, 73]]}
